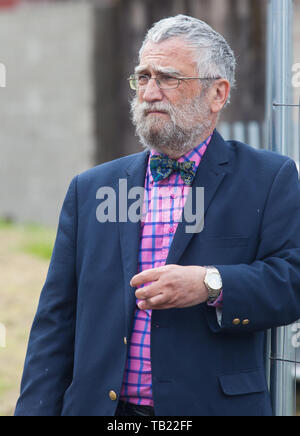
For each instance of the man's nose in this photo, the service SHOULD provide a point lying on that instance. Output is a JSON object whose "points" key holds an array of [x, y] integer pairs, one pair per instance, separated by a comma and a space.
{"points": [[152, 92]]}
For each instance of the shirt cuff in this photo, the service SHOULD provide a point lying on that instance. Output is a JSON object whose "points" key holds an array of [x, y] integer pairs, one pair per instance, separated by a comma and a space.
{"points": [[218, 303]]}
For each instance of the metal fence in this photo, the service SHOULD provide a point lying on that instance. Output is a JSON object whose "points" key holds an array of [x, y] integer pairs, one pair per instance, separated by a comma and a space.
{"points": [[254, 133]]}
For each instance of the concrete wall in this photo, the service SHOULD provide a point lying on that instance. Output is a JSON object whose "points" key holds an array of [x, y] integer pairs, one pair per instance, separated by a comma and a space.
{"points": [[46, 122]]}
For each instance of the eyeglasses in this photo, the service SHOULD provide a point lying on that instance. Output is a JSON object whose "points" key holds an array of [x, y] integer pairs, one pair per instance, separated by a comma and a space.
{"points": [[163, 81]]}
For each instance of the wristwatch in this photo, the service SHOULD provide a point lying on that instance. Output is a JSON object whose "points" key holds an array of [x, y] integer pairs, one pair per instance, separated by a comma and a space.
{"points": [[213, 282]]}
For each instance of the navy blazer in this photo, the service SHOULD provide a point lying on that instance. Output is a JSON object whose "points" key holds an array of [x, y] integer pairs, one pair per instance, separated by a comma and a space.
{"points": [[77, 352]]}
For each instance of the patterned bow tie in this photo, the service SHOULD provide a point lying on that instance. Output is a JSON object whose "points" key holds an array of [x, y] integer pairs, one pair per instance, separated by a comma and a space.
{"points": [[162, 167]]}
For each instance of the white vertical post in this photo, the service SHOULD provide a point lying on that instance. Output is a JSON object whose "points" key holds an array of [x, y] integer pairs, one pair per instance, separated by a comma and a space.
{"points": [[280, 139]]}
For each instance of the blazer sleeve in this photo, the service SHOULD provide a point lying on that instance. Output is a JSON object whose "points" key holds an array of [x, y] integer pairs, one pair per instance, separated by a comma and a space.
{"points": [[49, 361], [266, 293]]}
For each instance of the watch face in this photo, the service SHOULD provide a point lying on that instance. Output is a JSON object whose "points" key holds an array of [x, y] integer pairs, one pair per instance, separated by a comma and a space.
{"points": [[215, 281]]}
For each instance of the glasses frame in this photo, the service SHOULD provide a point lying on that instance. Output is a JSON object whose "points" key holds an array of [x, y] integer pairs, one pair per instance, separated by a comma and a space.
{"points": [[179, 79]]}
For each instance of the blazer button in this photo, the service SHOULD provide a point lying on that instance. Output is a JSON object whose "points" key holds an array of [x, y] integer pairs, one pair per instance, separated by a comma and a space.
{"points": [[113, 396], [236, 321], [125, 340], [246, 322]]}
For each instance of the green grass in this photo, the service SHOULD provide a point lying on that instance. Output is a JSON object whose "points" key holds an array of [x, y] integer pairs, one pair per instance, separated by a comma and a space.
{"points": [[39, 249], [39, 241], [5, 224], [25, 251], [35, 240], [5, 386]]}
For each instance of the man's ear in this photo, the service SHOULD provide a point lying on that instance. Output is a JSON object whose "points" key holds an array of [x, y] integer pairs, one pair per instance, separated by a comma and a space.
{"points": [[218, 95]]}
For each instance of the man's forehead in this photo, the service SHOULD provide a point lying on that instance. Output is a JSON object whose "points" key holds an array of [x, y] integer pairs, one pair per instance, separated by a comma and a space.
{"points": [[169, 56], [157, 69]]}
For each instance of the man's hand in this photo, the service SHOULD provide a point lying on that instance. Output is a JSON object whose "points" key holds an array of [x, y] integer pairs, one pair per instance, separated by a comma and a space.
{"points": [[170, 287]]}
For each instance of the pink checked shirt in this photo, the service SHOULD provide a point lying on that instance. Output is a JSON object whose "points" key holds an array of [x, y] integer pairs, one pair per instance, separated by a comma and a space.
{"points": [[166, 200]]}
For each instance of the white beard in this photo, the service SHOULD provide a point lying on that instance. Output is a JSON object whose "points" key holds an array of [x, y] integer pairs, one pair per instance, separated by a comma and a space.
{"points": [[177, 134]]}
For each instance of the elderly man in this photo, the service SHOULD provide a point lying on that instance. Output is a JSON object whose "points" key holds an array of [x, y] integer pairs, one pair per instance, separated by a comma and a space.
{"points": [[143, 317]]}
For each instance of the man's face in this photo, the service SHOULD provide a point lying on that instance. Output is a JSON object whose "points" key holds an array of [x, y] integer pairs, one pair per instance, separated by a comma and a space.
{"points": [[170, 121]]}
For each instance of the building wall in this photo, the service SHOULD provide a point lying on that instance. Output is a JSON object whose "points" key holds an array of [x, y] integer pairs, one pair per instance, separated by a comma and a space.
{"points": [[46, 124]]}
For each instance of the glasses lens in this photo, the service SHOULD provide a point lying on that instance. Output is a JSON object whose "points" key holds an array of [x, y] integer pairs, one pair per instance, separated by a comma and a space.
{"points": [[138, 81], [163, 81], [167, 82], [133, 83]]}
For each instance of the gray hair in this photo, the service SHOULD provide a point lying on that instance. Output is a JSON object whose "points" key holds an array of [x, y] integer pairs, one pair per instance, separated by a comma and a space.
{"points": [[214, 56]]}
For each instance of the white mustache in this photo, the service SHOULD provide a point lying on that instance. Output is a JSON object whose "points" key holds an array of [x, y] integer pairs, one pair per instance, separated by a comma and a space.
{"points": [[145, 108]]}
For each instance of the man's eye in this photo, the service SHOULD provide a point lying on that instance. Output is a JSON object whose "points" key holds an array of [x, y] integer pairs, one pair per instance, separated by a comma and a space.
{"points": [[143, 79], [166, 79]]}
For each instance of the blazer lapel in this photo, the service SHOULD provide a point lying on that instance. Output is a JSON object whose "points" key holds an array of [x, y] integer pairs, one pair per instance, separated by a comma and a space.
{"points": [[130, 236], [210, 174]]}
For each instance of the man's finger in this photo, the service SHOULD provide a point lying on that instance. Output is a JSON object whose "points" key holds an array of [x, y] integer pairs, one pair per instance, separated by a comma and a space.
{"points": [[156, 302], [147, 292], [150, 275]]}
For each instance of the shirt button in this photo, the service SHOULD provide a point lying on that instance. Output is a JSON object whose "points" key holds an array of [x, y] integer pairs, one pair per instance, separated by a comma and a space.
{"points": [[113, 395], [173, 196], [171, 229]]}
